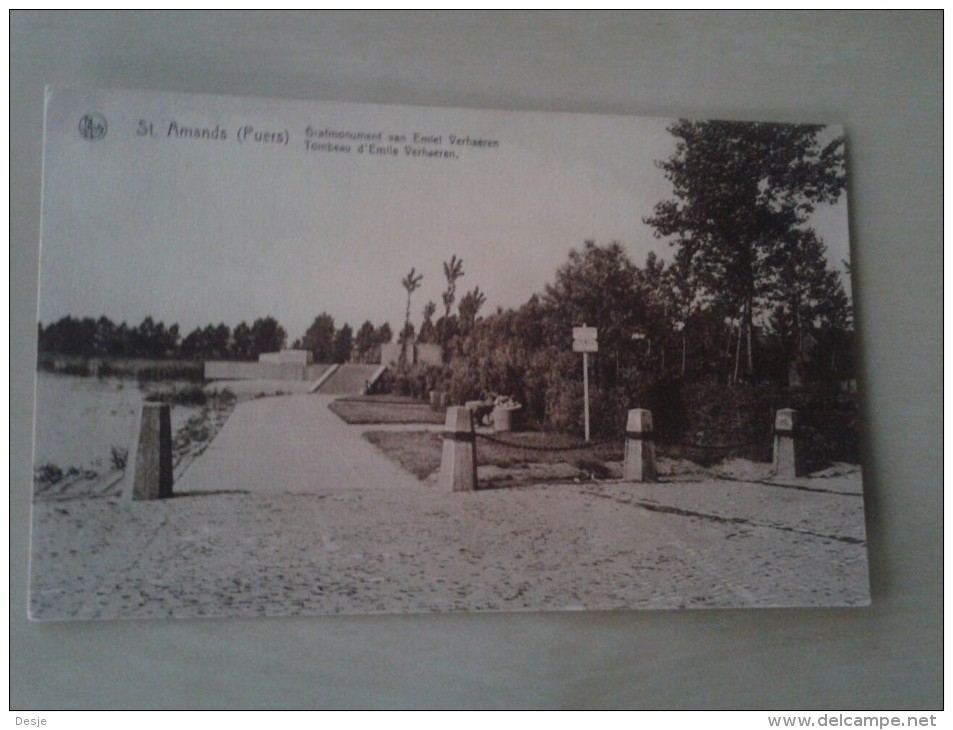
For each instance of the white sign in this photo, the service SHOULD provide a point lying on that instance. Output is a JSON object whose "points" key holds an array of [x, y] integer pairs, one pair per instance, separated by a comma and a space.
{"points": [[584, 339]]}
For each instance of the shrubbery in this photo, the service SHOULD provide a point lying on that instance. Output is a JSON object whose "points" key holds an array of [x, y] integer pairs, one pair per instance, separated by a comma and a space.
{"points": [[413, 381], [660, 349], [710, 414], [118, 457], [687, 413], [697, 417], [172, 370], [190, 395], [48, 473]]}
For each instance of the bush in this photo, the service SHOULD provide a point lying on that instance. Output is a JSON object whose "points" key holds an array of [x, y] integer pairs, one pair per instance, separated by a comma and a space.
{"points": [[224, 395], [714, 414], [697, 414], [49, 473], [414, 381], [829, 424], [517, 354], [464, 382], [171, 370], [190, 395], [708, 415], [118, 457]]}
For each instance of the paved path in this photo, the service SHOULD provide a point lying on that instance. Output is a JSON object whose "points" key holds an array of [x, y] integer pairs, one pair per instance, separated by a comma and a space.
{"points": [[291, 444]]}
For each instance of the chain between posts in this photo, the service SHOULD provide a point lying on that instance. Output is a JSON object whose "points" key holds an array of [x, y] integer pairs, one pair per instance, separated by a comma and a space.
{"points": [[532, 447], [594, 444], [716, 447]]}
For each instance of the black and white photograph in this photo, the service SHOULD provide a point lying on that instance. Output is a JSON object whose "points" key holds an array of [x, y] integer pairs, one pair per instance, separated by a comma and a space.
{"points": [[307, 358]]}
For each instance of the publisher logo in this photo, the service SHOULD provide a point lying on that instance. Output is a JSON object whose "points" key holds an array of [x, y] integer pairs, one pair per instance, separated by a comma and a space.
{"points": [[92, 126]]}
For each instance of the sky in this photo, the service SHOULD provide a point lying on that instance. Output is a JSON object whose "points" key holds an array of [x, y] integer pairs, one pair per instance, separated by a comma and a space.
{"points": [[149, 220]]}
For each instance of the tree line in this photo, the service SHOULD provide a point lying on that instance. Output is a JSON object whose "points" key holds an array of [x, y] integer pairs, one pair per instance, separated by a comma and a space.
{"points": [[88, 337]]}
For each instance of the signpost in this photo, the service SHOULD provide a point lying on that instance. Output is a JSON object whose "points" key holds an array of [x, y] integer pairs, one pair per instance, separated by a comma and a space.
{"points": [[585, 340]]}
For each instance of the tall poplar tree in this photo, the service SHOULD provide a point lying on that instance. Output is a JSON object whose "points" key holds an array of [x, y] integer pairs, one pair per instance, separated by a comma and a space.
{"points": [[738, 189], [411, 283]]}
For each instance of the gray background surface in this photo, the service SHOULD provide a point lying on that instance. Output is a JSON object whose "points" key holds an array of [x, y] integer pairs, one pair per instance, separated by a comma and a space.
{"points": [[879, 74]]}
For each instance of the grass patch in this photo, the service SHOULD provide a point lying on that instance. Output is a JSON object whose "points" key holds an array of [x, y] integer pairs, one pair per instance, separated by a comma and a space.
{"points": [[419, 452], [202, 427], [416, 451], [540, 447], [385, 409]]}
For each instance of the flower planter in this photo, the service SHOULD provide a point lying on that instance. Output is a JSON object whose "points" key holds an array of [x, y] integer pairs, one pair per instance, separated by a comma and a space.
{"points": [[480, 410], [505, 418]]}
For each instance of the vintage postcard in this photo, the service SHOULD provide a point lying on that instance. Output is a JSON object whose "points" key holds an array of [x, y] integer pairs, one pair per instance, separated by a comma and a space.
{"points": [[304, 358]]}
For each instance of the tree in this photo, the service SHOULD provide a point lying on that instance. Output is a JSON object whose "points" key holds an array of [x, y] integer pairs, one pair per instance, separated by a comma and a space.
{"points": [[154, 340], [193, 346], [171, 341], [343, 344], [267, 336], [123, 340], [144, 337], [428, 333], [364, 341], [411, 283], [105, 342], [656, 290], [216, 340], [469, 308], [241, 342], [69, 336], [384, 334], [319, 338], [597, 287], [684, 298], [506, 353], [739, 188], [452, 270], [807, 295]]}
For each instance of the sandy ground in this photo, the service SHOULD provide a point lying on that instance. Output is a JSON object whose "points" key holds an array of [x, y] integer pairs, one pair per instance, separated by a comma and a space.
{"points": [[313, 519]]}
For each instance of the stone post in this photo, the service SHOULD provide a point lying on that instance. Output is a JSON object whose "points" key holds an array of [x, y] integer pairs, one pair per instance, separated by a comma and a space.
{"points": [[152, 468], [787, 461], [639, 447], [458, 466]]}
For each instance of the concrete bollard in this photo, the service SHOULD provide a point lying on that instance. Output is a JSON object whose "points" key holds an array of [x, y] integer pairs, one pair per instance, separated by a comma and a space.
{"points": [[152, 468], [458, 465], [787, 461], [639, 447]]}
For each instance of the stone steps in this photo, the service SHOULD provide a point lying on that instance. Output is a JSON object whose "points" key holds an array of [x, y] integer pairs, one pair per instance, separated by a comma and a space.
{"points": [[349, 379]]}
